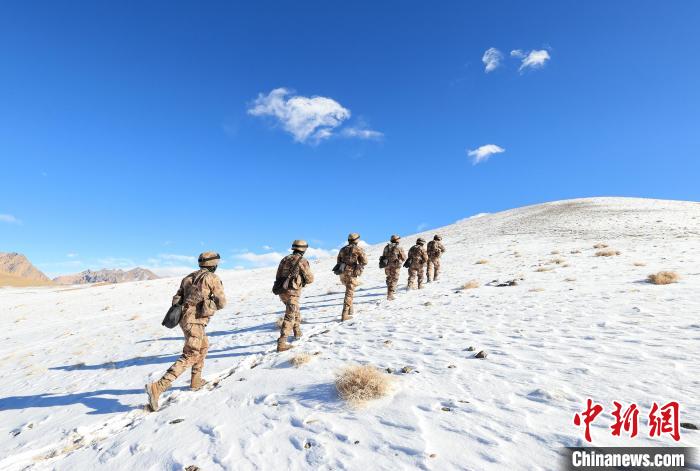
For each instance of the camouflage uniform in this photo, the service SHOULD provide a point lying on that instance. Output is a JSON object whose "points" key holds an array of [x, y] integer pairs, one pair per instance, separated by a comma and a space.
{"points": [[290, 297], [355, 261], [395, 256], [418, 257], [196, 312], [435, 250]]}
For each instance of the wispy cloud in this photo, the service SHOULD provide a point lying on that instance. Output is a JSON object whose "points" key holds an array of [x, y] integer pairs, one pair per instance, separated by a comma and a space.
{"points": [[71, 255], [305, 118], [260, 259], [177, 258], [272, 258], [534, 59], [491, 59], [362, 133], [483, 153], [9, 218]]}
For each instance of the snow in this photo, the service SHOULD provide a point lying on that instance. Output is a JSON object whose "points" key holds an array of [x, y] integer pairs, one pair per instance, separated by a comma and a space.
{"points": [[75, 359]]}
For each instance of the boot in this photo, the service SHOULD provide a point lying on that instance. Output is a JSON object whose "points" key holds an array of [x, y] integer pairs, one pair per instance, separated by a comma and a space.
{"points": [[196, 382], [153, 390], [297, 332], [282, 345]]}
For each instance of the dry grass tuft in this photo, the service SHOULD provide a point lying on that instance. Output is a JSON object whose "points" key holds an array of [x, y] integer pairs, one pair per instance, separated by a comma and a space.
{"points": [[607, 253], [663, 278], [543, 269], [554, 252], [639, 264], [300, 359], [569, 279], [481, 262], [557, 261], [536, 290], [471, 284], [135, 317], [600, 246], [359, 384], [575, 251]]}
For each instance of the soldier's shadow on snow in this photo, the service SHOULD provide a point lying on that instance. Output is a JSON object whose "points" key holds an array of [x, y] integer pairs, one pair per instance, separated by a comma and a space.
{"points": [[93, 400], [220, 333], [341, 291], [156, 359], [317, 396]]}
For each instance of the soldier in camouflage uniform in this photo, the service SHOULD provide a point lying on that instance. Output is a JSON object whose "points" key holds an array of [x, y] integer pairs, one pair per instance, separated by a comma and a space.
{"points": [[201, 294], [435, 250], [417, 258], [394, 257], [354, 260], [297, 270]]}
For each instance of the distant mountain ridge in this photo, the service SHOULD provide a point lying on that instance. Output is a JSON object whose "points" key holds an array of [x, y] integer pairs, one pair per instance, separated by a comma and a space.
{"points": [[17, 270], [106, 276]]}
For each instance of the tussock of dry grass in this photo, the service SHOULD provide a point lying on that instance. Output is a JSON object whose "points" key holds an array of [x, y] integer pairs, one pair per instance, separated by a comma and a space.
{"points": [[639, 264], [543, 269], [575, 251], [554, 252], [569, 279], [536, 290], [481, 262], [557, 261], [663, 278], [300, 359], [600, 246], [607, 253], [471, 284], [359, 384]]}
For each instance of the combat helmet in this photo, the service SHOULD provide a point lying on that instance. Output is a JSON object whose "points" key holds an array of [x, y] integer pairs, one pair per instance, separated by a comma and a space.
{"points": [[420, 241], [300, 245], [395, 238], [208, 259], [353, 237], [437, 237]]}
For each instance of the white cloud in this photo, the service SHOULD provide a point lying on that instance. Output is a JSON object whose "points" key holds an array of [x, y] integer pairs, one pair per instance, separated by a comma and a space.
{"points": [[305, 118], [169, 257], [261, 259], [362, 133], [272, 258], [71, 255], [491, 59], [9, 218], [534, 59], [484, 152], [170, 271]]}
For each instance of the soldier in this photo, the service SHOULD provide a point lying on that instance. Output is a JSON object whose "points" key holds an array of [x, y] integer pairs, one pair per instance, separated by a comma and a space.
{"points": [[201, 294], [351, 262], [294, 268], [435, 250], [393, 257], [417, 257]]}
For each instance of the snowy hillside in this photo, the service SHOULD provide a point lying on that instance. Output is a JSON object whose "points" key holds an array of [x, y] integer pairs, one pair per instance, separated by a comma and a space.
{"points": [[75, 359]]}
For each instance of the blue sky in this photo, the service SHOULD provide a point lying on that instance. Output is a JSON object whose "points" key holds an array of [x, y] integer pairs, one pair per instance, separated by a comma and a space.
{"points": [[137, 133]]}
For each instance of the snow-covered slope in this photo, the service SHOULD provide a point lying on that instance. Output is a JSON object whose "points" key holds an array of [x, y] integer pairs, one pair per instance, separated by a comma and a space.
{"points": [[75, 360]]}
